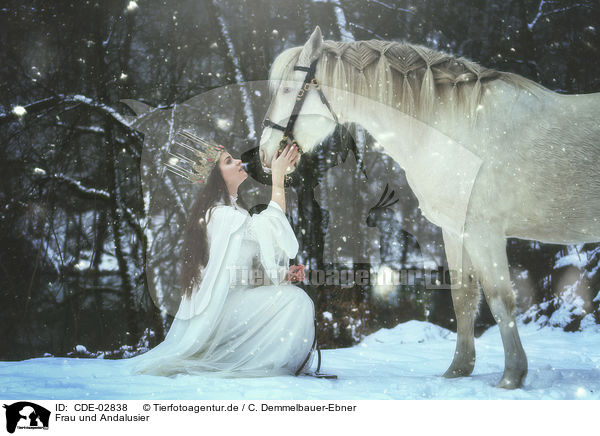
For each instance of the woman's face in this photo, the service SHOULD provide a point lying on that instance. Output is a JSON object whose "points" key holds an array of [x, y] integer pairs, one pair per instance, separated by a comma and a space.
{"points": [[232, 170]]}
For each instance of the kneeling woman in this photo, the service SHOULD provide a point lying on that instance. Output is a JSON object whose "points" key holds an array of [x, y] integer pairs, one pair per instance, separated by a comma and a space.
{"points": [[223, 326]]}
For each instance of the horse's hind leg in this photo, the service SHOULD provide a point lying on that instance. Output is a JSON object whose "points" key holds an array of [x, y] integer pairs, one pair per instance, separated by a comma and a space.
{"points": [[465, 298], [488, 254]]}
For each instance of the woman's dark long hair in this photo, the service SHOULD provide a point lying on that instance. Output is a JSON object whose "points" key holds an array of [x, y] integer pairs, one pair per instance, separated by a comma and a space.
{"points": [[195, 244]]}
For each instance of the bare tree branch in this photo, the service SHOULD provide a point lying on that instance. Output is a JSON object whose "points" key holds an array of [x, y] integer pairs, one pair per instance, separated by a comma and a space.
{"points": [[541, 13]]}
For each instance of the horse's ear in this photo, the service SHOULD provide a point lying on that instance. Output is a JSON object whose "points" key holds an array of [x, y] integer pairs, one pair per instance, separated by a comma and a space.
{"points": [[312, 49]]}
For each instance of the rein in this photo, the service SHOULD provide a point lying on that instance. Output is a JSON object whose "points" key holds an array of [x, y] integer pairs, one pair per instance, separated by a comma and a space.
{"points": [[288, 130], [318, 372], [288, 137]]}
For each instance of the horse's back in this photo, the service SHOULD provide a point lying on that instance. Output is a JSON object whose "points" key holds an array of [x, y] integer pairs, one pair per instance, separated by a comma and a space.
{"points": [[539, 175]]}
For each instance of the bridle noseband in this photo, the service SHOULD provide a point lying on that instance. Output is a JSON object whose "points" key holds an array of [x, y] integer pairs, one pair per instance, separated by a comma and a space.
{"points": [[288, 130]]}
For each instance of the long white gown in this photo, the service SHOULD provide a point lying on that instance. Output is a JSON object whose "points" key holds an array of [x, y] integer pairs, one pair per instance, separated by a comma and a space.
{"points": [[232, 329]]}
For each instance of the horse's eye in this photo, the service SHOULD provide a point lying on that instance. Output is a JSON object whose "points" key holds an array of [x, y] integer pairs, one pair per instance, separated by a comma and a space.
{"points": [[287, 90]]}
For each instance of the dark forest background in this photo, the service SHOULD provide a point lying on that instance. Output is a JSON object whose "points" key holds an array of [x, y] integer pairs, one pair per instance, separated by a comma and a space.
{"points": [[72, 242]]}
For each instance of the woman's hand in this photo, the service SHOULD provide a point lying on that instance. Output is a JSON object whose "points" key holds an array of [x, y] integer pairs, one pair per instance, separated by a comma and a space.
{"points": [[296, 273], [280, 163]]}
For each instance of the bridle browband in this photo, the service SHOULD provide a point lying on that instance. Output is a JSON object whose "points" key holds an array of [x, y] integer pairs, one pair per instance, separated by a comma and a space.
{"points": [[288, 130]]}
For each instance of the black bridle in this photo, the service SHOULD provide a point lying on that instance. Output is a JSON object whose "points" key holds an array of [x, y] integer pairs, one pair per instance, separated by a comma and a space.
{"points": [[288, 130]]}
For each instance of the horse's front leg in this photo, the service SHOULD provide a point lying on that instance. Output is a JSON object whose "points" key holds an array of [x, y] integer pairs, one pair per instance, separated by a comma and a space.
{"points": [[465, 298], [487, 250]]}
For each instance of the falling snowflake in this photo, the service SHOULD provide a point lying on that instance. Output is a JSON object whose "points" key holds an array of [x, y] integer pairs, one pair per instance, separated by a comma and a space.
{"points": [[223, 124], [19, 111]]}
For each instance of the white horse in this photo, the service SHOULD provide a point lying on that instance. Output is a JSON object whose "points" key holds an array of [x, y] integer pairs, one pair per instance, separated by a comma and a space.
{"points": [[490, 155]]}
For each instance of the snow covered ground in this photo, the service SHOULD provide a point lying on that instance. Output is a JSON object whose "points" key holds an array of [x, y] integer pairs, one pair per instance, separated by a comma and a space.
{"points": [[402, 363]]}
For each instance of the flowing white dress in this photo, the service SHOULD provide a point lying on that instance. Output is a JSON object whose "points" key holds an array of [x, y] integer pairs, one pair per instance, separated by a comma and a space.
{"points": [[229, 328]]}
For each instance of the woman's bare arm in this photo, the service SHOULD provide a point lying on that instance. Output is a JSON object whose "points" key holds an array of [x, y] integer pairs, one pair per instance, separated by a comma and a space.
{"points": [[279, 165]]}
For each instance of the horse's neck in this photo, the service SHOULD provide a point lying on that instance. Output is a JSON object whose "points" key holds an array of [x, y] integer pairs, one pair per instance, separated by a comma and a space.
{"points": [[502, 107], [405, 138], [430, 158]]}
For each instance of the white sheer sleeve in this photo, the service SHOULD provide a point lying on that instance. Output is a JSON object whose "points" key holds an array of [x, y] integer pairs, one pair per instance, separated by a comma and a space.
{"points": [[276, 239], [223, 238]]}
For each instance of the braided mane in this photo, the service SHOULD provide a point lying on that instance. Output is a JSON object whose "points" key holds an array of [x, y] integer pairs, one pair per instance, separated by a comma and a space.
{"points": [[408, 77]]}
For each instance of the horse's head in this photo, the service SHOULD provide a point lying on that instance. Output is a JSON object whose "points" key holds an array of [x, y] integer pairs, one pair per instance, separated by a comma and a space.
{"points": [[299, 111]]}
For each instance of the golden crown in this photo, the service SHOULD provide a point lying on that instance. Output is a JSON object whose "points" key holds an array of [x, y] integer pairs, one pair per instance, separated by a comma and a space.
{"points": [[192, 157]]}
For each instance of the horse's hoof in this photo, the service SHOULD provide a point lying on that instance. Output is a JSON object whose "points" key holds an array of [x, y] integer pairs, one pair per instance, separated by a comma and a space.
{"points": [[512, 380], [506, 383]]}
